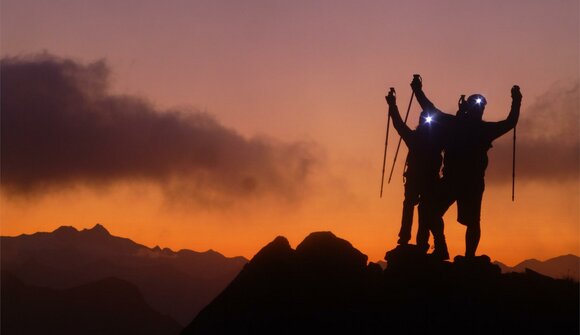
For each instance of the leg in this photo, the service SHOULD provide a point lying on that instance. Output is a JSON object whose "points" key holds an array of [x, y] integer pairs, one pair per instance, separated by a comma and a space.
{"points": [[406, 222], [425, 220], [472, 235], [435, 203], [439, 239], [435, 225], [469, 214], [411, 199]]}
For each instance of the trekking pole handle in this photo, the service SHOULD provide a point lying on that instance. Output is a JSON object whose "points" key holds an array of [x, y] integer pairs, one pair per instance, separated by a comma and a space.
{"points": [[417, 76], [461, 100]]}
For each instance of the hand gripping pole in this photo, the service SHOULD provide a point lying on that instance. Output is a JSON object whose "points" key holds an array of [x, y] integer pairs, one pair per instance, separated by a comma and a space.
{"points": [[400, 138], [386, 143]]}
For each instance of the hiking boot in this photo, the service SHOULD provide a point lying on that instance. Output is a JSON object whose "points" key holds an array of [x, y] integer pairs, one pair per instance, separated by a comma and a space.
{"points": [[402, 241], [440, 254], [423, 247]]}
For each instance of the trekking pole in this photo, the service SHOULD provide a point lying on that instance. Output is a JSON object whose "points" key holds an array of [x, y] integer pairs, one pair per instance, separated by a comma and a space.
{"points": [[392, 90], [415, 76], [514, 166], [517, 88]]}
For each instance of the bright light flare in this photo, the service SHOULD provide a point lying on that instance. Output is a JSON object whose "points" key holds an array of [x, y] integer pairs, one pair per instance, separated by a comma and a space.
{"points": [[428, 119], [478, 101]]}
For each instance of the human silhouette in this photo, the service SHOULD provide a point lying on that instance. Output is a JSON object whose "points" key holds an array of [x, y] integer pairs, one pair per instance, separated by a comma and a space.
{"points": [[421, 177], [465, 159]]}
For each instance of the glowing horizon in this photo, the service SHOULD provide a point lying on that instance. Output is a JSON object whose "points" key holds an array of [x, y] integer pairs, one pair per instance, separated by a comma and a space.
{"points": [[299, 87]]}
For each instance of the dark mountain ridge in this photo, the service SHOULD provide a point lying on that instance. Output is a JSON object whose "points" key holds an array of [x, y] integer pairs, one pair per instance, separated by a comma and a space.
{"points": [[561, 267], [326, 286], [107, 306], [178, 284]]}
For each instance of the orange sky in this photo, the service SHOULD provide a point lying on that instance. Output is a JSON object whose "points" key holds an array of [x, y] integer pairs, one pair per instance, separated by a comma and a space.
{"points": [[317, 72]]}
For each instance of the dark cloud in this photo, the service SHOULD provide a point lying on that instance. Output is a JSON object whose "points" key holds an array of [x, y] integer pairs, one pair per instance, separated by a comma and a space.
{"points": [[548, 143], [61, 127]]}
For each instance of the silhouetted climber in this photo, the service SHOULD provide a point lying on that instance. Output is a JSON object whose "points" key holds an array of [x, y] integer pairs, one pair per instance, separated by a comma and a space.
{"points": [[421, 176], [465, 159]]}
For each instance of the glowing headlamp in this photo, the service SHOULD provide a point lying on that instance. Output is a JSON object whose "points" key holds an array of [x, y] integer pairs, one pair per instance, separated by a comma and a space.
{"points": [[428, 118], [478, 101]]}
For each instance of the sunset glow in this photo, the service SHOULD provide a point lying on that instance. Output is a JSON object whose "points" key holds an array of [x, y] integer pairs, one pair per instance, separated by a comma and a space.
{"points": [[223, 124]]}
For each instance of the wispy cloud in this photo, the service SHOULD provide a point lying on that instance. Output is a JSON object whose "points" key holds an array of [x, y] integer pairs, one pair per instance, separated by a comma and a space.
{"points": [[548, 139], [61, 127]]}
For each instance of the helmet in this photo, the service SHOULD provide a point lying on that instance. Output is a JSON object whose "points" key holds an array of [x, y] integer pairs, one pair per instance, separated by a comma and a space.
{"points": [[476, 100], [474, 106], [425, 118]]}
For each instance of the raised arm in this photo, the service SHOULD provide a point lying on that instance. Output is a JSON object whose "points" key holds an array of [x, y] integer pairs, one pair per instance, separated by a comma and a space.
{"points": [[404, 131], [497, 129], [417, 86]]}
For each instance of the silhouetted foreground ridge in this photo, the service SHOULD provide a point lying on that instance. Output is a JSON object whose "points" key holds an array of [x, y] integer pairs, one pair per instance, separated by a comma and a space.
{"points": [[326, 286]]}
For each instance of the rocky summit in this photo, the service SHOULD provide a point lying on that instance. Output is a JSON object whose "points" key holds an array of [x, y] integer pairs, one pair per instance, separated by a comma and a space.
{"points": [[325, 285]]}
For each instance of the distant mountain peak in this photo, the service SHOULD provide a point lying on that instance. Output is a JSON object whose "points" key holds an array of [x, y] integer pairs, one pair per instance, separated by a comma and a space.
{"points": [[565, 266], [65, 230], [98, 229], [176, 284]]}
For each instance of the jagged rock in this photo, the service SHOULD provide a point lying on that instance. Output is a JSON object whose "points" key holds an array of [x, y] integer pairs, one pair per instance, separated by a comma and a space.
{"points": [[479, 266], [323, 250], [405, 256], [274, 262], [275, 252], [325, 286], [412, 263], [281, 290], [375, 268]]}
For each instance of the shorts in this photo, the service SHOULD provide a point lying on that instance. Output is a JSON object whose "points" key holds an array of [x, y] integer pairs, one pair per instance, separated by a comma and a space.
{"points": [[468, 194]]}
